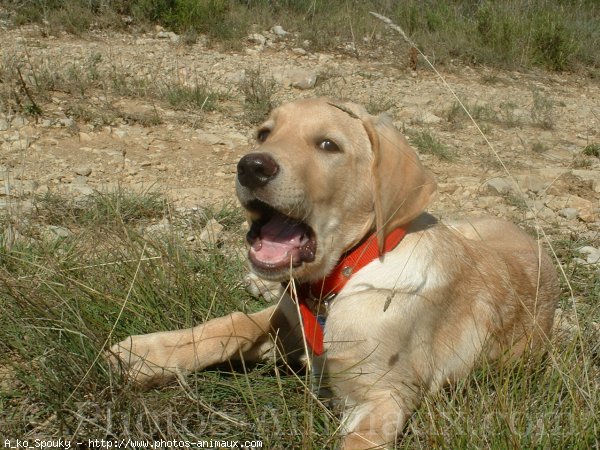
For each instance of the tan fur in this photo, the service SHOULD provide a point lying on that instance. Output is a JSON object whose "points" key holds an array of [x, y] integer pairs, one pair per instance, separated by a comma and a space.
{"points": [[423, 315]]}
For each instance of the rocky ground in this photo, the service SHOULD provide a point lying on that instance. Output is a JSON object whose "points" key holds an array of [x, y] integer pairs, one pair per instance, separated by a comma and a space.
{"points": [[538, 123]]}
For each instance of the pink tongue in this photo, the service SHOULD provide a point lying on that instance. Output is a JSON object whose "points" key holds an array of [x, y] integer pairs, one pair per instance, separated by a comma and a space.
{"points": [[280, 239]]}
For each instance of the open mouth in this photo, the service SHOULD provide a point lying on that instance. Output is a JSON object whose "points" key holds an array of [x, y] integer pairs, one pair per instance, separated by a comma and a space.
{"points": [[278, 241]]}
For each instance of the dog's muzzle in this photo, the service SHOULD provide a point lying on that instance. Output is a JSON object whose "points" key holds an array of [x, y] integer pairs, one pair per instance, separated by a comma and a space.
{"points": [[278, 239]]}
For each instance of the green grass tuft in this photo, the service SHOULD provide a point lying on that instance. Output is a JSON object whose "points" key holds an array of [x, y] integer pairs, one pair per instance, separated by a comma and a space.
{"points": [[258, 94], [427, 143], [592, 150]]}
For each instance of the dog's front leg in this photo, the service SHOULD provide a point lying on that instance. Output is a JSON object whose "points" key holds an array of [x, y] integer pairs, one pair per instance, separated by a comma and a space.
{"points": [[155, 358], [374, 424]]}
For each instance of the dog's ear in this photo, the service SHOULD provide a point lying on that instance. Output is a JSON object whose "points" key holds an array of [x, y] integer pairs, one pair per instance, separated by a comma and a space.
{"points": [[402, 187]]}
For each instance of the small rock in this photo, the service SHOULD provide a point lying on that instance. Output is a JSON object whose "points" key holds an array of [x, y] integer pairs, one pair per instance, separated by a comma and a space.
{"points": [[301, 78], [84, 137], [4, 125], [18, 122], [587, 210], [210, 138], [257, 39], [120, 133], [533, 183], [42, 189], [429, 118], [53, 232], [499, 186], [589, 215], [299, 51], [173, 37], [211, 233], [574, 201], [81, 189], [447, 188], [539, 211], [67, 122], [21, 144], [80, 180], [593, 254], [568, 213], [84, 171], [586, 175], [486, 202], [159, 229], [279, 31]]}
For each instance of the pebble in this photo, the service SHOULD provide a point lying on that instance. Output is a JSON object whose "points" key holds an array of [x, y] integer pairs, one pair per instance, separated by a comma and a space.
{"points": [[211, 233], [499, 186], [257, 38], [84, 137], [429, 118], [279, 31], [301, 78], [120, 133], [173, 37], [84, 171], [299, 51], [160, 228], [592, 254], [4, 125], [53, 232], [18, 122], [80, 180], [568, 213], [533, 183], [67, 122]]}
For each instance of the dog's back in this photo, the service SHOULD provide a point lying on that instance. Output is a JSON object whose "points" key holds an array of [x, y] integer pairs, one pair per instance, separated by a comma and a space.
{"points": [[531, 282]]}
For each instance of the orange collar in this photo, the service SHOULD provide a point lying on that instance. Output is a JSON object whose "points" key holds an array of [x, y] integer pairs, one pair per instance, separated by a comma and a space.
{"points": [[332, 284]]}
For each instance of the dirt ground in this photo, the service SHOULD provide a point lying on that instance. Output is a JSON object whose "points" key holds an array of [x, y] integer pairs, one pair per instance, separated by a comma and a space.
{"points": [[538, 124]]}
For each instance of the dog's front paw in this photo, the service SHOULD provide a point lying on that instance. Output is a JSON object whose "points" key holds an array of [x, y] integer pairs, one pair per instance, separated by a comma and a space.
{"points": [[258, 287], [143, 360]]}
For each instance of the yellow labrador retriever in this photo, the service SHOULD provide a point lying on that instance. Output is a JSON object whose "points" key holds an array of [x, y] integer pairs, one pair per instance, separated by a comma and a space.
{"points": [[386, 302]]}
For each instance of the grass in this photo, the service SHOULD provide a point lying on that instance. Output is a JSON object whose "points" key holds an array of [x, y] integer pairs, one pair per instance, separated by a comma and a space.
{"points": [[62, 298], [258, 92], [510, 34], [542, 110], [592, 150], [198, 97], [26, 83], [427, 143]]}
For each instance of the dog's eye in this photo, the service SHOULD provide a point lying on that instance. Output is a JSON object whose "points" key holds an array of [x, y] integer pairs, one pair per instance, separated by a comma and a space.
{"points": [[262, 135], [328, 145]]}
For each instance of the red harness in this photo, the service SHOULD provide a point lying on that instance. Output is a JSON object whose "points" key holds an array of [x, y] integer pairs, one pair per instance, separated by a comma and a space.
{"points": [[333, 283]]}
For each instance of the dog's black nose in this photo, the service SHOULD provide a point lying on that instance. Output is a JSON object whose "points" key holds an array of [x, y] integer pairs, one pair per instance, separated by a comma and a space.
{"points": [[256, 170]]}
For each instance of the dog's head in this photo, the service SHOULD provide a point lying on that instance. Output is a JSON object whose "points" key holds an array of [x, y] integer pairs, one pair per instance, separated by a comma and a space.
{"points": [[325, 175]]}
